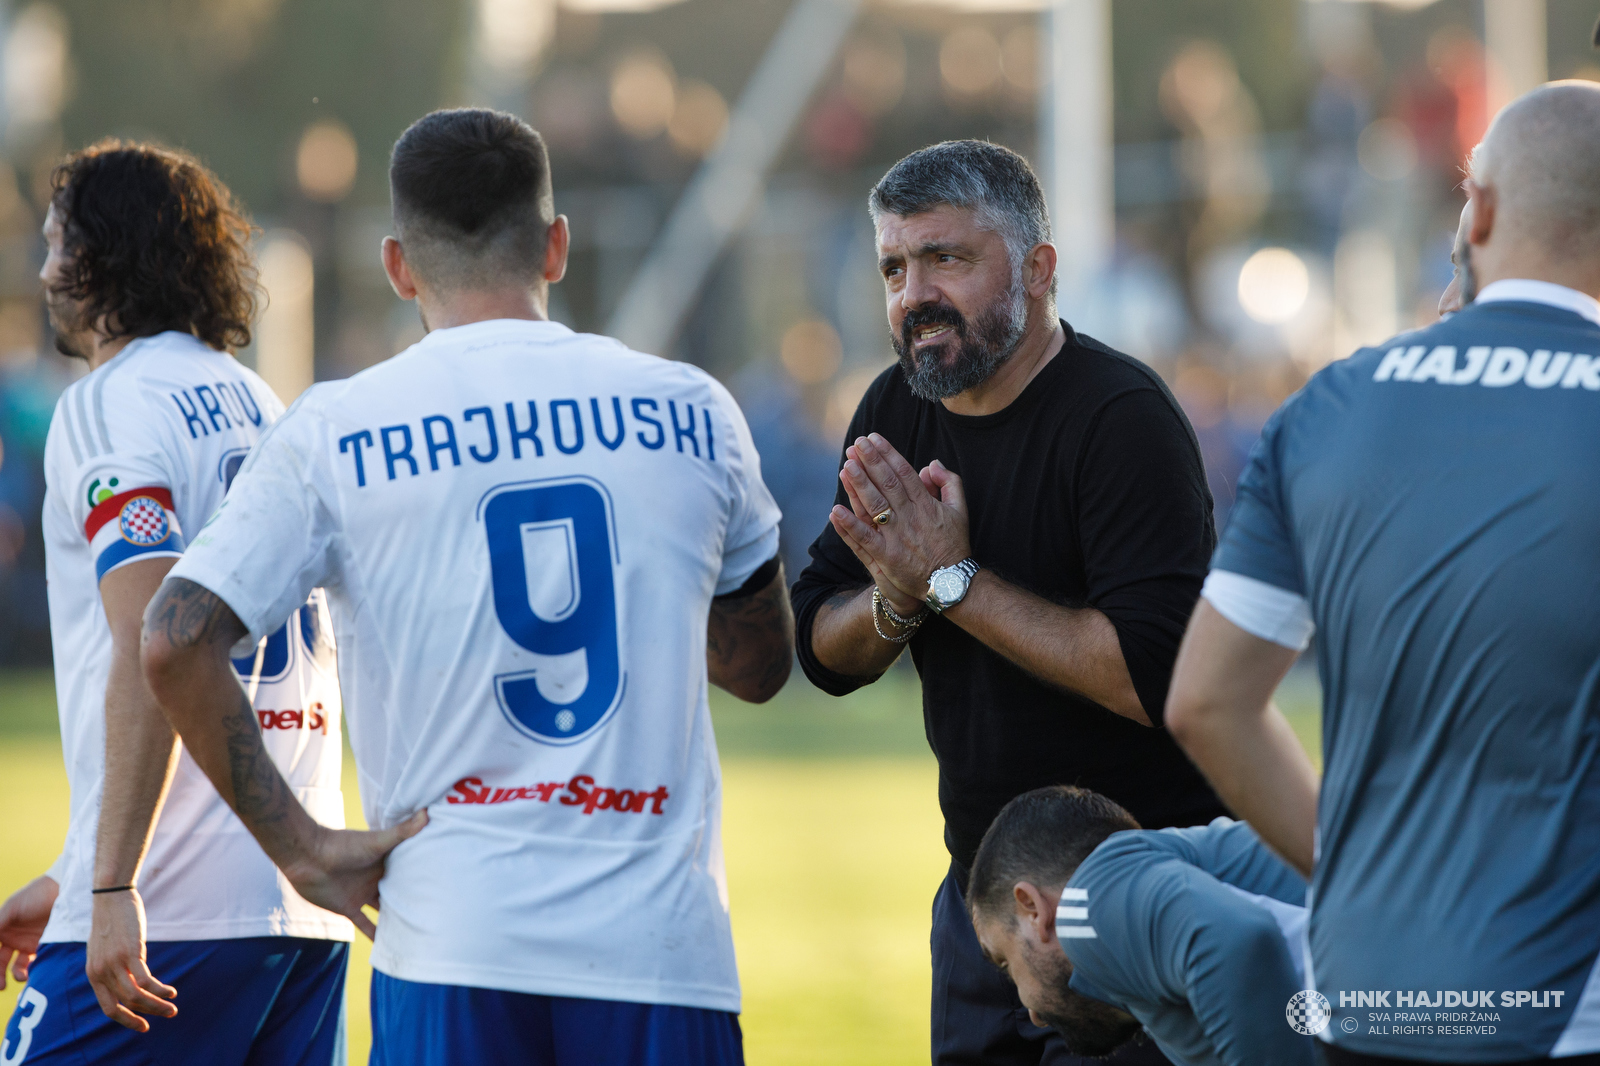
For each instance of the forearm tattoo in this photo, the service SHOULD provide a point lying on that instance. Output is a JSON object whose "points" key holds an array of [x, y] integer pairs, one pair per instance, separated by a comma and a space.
{"points": [[190, 616], [750, 639]]}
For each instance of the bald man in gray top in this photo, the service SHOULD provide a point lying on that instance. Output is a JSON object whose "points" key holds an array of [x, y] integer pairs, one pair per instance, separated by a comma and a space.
{"points": [[1430, 508]]}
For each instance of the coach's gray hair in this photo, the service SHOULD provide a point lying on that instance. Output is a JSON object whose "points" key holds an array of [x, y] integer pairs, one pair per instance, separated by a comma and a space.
{"points": [[993, 182]]}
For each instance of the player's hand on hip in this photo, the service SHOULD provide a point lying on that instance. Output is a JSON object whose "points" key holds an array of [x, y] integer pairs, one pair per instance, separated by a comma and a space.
{"points": [[341, 870], [22, 921], [116, 966], [910, 524]]}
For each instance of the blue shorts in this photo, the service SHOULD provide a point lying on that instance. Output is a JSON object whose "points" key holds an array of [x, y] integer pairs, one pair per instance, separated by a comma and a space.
{"points": [[258, 1001], [444, 1025]]}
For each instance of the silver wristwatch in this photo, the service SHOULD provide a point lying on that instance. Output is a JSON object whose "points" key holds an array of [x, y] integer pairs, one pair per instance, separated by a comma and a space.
{"points": [[947, 586]]}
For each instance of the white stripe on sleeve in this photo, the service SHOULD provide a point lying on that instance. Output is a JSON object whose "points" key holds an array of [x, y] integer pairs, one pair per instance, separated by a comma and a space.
{"points": [[1260, 609]]}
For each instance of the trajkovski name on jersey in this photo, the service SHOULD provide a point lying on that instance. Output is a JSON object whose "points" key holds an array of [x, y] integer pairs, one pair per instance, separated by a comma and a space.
{"points": [[436, 434], [138, 452], [520, 530], [1425, 507]]}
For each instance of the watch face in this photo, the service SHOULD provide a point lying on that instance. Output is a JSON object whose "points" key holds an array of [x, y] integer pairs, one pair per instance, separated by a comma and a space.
{"points": [[949, 586]]}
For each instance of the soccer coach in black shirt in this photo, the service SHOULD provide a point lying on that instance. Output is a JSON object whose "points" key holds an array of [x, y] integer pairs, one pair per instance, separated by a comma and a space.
{"points": [[1028, 509]]}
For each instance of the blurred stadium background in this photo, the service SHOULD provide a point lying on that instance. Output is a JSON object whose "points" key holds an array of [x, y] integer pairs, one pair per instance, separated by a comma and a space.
{"points": [[1242, 191]]}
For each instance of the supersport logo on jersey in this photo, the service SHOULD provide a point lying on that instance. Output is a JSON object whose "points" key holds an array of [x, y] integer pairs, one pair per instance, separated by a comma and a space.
{"points": [[580, 792], [130, 524], [313, 718]]}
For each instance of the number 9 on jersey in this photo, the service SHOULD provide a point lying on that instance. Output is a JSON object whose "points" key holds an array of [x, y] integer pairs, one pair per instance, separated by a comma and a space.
{"points": [[552, 564]]}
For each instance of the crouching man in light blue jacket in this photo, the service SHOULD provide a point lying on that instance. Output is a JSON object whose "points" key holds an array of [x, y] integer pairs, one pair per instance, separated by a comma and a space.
{"points": [[1191, 937]]}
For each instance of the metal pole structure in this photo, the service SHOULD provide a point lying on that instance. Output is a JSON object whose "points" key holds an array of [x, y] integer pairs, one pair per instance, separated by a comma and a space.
{"points": [[1515, 36], [285, 337], [1076, 144], [732, 178], [509, 38]]}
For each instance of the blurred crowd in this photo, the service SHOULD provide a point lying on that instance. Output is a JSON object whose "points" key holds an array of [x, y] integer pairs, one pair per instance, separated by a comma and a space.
{"points": [[1285, 181]]}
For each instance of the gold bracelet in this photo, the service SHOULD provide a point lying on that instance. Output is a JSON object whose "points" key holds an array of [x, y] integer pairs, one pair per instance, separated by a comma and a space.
{"points": [[894, 616], [877, 600]]}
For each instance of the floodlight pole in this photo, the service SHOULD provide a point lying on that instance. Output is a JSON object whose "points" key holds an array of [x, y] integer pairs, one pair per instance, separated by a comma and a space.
{"points": [[1075, 143], [1514, 35], [731, 180]]}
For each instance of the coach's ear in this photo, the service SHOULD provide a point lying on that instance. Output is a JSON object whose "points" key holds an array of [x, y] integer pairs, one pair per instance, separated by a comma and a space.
{"points": [[399, 271], [1036, 913], [1039, 270]]}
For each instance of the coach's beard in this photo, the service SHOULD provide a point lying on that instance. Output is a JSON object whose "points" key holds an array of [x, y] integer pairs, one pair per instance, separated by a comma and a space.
{"points": [[981, 346]]}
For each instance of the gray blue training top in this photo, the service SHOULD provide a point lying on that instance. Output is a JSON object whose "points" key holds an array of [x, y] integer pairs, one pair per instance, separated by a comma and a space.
{"points": [[1437, 502], [1196, 933]]}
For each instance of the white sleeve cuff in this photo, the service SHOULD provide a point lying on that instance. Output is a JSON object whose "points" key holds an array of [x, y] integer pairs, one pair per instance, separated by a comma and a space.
{"points": [[1260, 609]]}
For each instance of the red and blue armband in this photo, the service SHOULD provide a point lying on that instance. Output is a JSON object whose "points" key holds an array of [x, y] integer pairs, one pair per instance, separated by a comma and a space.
{"points": [[130, 525]]}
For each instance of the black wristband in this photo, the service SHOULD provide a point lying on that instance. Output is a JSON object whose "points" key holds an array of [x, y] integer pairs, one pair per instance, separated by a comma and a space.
{"points": [[113, 888], [756, 582]]}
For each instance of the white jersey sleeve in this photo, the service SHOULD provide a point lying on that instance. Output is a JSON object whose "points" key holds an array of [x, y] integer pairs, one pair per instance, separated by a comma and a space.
{"points": [[752, 536], [275, 527], [120, 493]]}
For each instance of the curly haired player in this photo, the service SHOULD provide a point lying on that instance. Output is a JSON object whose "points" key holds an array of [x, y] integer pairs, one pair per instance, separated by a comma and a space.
{"points": [[160, 895]]}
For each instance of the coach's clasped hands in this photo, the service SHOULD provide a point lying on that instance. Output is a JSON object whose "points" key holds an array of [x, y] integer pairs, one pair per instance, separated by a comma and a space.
{"points": [[929, 529]]}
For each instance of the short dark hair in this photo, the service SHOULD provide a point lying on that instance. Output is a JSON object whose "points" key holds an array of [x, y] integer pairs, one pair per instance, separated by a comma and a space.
{"points": [[472, 197], [993, 181], [1041, 836], [155, 242]]}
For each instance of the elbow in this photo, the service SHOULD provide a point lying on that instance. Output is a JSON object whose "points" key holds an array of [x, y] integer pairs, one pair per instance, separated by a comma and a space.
{"points": [[1184, 717], [1193, 719], [761, 684], [161, 663], [769, 684], [1130, 706]]}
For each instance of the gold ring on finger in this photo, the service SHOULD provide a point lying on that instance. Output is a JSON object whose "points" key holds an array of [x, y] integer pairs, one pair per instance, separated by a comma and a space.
{"points": [[882, 517]]}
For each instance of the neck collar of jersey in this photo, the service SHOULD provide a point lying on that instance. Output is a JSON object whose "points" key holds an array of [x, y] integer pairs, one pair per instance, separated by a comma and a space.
{"points": [[1527, 290], [538, 327], [140, 342]]}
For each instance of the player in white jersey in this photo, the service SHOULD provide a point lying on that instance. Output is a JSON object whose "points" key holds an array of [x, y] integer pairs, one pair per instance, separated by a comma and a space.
{"points": [[525, 534], [148, 278]]}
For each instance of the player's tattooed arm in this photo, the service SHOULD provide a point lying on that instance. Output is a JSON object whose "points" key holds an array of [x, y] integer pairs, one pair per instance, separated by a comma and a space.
{"points": [[190, 625], [191, 615], [188, 633], [750, 638]]}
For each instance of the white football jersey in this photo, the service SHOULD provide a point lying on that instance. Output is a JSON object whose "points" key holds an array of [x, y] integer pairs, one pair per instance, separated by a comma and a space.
{"points": [[520, 530], [139, 452]]}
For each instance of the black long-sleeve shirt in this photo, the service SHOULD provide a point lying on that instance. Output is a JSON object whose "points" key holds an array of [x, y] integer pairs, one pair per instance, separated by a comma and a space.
{"points": [[1089, 491]]}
